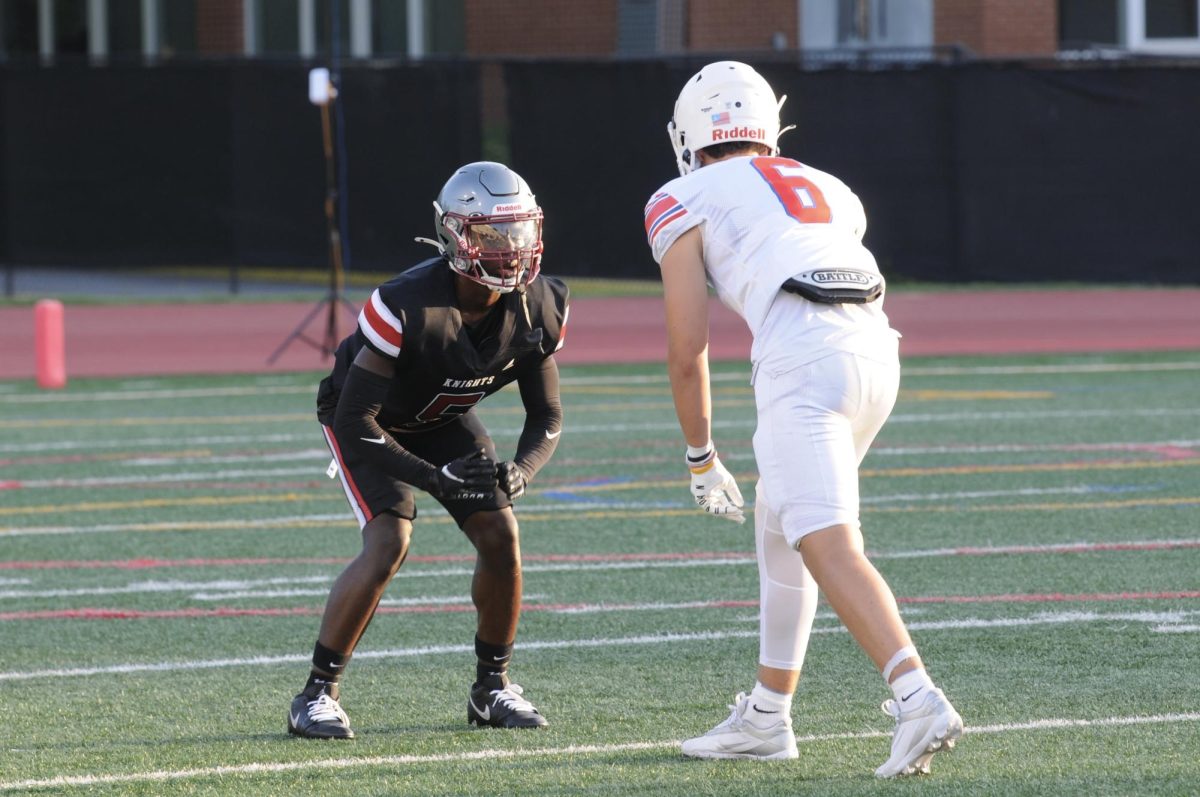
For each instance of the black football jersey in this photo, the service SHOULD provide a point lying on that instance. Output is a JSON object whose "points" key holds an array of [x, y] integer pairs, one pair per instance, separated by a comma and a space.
{"points": [[441, 371]]}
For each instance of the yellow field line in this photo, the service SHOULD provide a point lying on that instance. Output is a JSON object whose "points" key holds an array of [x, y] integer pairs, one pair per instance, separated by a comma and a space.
{"points": [[158, 503], [199, 420], [972, 395], [909, 395], [151, 503], [565, 516], [890, 472], [1042, 467], [1055, 507]]}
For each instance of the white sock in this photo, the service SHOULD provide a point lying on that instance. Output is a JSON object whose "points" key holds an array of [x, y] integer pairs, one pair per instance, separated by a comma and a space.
{"points": [[910, 687], [768, 706]]}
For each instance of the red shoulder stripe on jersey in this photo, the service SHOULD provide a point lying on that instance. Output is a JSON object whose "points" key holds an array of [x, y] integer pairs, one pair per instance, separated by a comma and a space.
{"points": [[677, 213], [660, 208], [381, 326], [655, 207]]}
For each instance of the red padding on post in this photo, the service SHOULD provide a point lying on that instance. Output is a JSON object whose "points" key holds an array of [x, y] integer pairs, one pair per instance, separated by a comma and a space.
{"points": [[49, 344]]}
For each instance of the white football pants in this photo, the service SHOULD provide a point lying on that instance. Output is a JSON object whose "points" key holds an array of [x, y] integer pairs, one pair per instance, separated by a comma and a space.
{"points": [[815, 424]]}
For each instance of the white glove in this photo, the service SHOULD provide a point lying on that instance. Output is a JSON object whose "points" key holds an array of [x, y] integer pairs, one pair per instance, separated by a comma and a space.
{"points": [[714, 489]]}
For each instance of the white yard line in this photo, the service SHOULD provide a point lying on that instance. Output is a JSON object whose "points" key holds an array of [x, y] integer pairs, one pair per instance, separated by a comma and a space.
{"points": [[309, 473], [416, 568], [159, 587], [1042, 618], [251, 475], [142, 392], [600, 429], [328, 764]]}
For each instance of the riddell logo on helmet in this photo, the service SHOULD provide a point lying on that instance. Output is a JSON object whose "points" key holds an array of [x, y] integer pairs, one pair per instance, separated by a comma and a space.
{"points": [[740, 134], [508, 208]]}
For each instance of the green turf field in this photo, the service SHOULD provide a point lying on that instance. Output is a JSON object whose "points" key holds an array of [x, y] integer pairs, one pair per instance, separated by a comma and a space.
{"points": [[167, 545]]}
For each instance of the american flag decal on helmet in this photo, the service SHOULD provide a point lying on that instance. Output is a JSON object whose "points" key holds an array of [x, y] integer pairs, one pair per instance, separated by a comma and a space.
{"points": [[661, 210]]}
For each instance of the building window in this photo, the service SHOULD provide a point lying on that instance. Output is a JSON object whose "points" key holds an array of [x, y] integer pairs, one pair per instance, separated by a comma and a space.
{"points": [[278, 27], [70, 27], [637, 27], [856, 24], [1171, 19], [18, 29], [389, 29], [125, 27], [866, 24], [1167, 27], [447, 28], [1086, 22], [177, 21]]}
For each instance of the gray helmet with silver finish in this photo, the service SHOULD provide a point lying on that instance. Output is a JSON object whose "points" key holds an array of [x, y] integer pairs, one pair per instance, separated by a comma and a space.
{"points": [[489, 226]]}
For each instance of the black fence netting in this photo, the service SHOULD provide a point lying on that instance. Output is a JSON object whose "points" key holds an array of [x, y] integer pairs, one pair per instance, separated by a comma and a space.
{"points": [[978, 172], [982, 171], [224, 163]]}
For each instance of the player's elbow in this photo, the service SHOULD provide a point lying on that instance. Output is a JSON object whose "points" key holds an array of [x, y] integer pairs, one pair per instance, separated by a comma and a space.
{"points": [[550, 415]]}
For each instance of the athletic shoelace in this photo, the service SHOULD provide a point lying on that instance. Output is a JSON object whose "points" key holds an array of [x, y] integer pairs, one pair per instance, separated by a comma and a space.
{"points": [[736, 719], [510, 698], [326, 709]]}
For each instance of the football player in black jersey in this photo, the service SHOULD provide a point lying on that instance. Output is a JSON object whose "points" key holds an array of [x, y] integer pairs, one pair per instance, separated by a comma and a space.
{"points": [[398, 414]]}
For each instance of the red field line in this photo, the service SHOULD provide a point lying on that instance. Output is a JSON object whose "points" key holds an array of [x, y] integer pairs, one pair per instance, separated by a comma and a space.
{"points": [[146, 564], [1054, 597], [191, 614]]}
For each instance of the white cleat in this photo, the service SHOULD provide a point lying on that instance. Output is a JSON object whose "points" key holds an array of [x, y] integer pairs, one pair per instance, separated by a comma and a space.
{"points": [[929, 727], [738, 737]]}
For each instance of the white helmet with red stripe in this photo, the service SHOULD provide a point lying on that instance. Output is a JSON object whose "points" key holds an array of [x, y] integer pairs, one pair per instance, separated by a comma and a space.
{"points": [[724, 101], [489, 226]]}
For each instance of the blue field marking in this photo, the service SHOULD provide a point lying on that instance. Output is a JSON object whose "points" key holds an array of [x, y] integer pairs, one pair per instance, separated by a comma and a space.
{"points": [[567, 495]]}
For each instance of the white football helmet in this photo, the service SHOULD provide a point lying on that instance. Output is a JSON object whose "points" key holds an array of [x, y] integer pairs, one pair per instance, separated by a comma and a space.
{"points": [[724, 101], [489, 226]]}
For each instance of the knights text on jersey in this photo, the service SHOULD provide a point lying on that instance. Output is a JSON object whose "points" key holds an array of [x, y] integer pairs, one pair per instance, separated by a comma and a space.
{"points": [[763, 220], [441, 372]]}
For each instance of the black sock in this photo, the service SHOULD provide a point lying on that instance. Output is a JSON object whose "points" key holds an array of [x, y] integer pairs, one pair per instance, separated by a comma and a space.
{"points": [[327, 668], [491, 660]]}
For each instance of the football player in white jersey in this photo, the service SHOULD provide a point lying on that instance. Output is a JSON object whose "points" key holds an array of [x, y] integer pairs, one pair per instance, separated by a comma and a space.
{"points": [[781, 244]]}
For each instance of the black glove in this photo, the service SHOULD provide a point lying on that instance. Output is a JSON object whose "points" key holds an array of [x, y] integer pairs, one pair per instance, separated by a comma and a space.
{"points": [[471, 474], [511, 479]]}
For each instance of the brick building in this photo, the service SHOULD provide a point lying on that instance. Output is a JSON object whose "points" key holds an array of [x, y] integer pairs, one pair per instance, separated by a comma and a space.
{"points": [[588, 28]]}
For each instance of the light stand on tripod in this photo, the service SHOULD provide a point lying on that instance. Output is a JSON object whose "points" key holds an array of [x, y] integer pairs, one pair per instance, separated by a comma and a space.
{"points": [[322, 93]]}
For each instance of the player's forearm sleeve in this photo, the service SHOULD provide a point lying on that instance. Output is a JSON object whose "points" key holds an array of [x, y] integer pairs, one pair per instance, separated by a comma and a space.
{"points": [[356, 426], [543, 418]]}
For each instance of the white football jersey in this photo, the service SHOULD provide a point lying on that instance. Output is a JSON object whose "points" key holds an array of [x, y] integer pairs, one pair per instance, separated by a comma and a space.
{"points": [[764, 220]]}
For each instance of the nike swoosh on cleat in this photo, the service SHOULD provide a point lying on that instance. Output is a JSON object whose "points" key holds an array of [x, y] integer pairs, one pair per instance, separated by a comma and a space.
{"points": [[484, 715], [377, 441], [552, 435], [910, 694], [760, 711], [499, 658], [295, 720]]}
